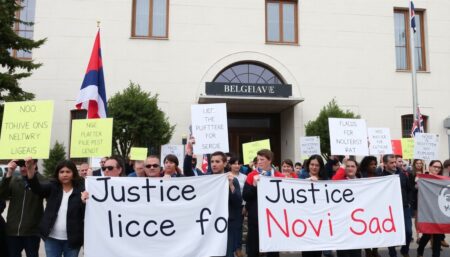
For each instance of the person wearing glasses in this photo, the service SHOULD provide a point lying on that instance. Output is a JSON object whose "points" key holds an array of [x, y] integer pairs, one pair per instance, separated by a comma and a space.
{"points": [[435, 168], [151, 167], [24, 212], [62, 225], [99, 172]]}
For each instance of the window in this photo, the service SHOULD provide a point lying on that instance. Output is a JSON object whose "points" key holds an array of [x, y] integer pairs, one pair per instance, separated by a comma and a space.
{"points": [[281, 21], [407, 123], [402, 41], [244, 72], [25, 14], [150, 18]]}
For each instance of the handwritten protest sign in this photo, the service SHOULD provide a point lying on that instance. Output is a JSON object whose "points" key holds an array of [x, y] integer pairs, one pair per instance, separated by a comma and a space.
{"points": [[396, 146], [157, 217], [407, 148], [91, 138], [26, 130], [138, 153], [176, 150], [250, 149], [426, 146], [348, 136], [302, 215], [380, 141], [210, 128], [309, 146]]}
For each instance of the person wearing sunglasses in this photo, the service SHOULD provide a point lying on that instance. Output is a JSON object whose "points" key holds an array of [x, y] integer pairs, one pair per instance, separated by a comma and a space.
{"points": [[151, 167], [24, 211], [98, 172]]}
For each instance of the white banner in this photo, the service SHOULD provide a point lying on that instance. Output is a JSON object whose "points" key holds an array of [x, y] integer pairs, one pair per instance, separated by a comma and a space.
{"points": [[301, 215], [348, 137], [309, 146], [426, 146], [380, 141], [177, 150], [156, 217], [210, 128]]}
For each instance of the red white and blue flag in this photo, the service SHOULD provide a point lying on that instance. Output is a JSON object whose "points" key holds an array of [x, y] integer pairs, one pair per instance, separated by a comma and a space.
{"points": [[412, 15], [92, 93], [417, 124]]}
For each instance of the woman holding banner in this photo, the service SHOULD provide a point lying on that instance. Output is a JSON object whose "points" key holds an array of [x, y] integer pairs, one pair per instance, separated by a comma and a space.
{"points": [[62, 224]]}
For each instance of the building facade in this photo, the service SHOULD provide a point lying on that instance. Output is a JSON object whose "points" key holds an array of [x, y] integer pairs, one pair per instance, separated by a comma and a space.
{"points": [[275, 63]]}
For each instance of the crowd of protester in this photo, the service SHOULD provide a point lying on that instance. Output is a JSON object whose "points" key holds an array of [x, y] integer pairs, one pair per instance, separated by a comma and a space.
{"points": [[61, 223]]}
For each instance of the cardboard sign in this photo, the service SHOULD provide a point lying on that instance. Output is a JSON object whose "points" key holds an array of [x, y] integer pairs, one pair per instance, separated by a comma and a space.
{"points": [[155, 217], [348, 136], [309, 146], [249, 150], [304, 215], [379, 141], [408, 148], [138, 153], [426, 146], [177, 150], [396, 146], [91, 138], [26, 130], [210, 128]]}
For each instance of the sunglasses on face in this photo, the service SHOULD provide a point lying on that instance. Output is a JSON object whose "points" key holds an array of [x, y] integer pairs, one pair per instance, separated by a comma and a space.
{"points": [[110, 168], [148, 166]]}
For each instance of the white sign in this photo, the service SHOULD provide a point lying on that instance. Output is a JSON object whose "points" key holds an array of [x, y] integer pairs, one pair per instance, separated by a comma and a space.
{"points": [[158, 217], [348, 137], [210, 128], [379, 141], [309, 146], [426, 146], [176, 150], [302, 215]]}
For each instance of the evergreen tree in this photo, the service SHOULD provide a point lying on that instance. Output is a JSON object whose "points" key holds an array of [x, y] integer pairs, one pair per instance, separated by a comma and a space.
{"points": [[57, 154], [13, 69]]}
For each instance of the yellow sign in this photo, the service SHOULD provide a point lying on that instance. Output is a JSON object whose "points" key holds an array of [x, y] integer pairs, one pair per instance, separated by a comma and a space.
{"points": [[26, 130], [138, 153], [408, 148], [249, 150], [91, 138]]}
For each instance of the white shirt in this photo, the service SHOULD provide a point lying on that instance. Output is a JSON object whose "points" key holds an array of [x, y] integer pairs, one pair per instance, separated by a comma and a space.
{"points": [[59, 230]]}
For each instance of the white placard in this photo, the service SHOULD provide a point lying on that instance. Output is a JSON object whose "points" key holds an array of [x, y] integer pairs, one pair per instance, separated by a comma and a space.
{"points": [[156, 217], [379, 141], [302, 215], [426, 146], [309, 146], [348, 137], [209, 128], [177, 150]]}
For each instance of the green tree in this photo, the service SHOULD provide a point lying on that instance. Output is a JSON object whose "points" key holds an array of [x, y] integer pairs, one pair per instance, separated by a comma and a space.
{"points": [[137, 120], [57, 154], [13, 69], [319, 126]]}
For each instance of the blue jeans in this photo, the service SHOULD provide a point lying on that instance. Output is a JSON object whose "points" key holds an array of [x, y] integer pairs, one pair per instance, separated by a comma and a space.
{"points": [[58, 248], [16, 244], [408, 234]]}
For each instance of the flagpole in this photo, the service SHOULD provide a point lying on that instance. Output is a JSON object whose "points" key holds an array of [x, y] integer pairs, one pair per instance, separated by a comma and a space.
{"points": [[413, 64]]}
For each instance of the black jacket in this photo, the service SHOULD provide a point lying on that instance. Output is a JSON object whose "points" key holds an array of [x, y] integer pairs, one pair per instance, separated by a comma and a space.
{"points": [[188, 170], [53, 192], [235, 202], [406, 187]]}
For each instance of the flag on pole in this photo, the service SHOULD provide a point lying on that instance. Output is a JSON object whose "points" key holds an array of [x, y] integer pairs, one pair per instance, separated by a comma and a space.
{"points": [[417, 124], [413, 17], [92, 93], [433, 204]]}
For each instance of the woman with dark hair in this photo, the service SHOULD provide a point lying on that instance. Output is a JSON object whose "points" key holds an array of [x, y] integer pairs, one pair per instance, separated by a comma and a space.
{"points": [[171, 167], [435, 168], [417, 167], [368, 167], [235, 167], [287, 169], [62, 224]]}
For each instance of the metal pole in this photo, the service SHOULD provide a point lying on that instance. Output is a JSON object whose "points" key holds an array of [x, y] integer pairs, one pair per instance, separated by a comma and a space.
{"points": [[413, 66]]}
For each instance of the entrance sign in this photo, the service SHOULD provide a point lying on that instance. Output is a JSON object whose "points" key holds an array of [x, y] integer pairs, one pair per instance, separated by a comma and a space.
{"points": [[249, 150], [379, 141], [91, 138], [348, 136], [177, 150], [138, 153], [408, 148], [26, 130], [302, 215], [210, 128], [309, 146], [426, 146], [247, 89], [158, 217]]}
